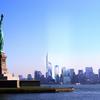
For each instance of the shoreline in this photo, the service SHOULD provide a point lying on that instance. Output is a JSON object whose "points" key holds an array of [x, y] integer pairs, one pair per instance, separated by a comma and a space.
{"points": [[35, 90]]}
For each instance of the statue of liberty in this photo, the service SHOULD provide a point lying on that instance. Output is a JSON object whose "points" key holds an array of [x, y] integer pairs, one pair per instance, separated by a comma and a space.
{"points": [[1, 35]]}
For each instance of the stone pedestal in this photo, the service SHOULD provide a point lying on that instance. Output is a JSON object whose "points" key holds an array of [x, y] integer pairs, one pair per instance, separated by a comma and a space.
{"points": [[4, 74], [3, 68]]}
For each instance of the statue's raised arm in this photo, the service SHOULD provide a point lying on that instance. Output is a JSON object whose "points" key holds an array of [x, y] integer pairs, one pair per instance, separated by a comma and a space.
{"points": [[1, 20]]}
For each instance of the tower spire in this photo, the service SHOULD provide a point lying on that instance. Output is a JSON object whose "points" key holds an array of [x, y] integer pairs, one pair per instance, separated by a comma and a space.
{"points": [[47, 62]]}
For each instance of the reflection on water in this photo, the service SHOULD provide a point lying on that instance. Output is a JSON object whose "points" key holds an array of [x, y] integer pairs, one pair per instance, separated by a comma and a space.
{"points": [[3, 97], [85, 92]]}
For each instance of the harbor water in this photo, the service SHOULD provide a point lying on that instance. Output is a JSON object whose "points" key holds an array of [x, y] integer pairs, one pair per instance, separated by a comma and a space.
{"points": [[82, 92]]}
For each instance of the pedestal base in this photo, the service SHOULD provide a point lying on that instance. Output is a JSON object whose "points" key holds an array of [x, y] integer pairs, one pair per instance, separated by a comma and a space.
{"points": [[4, 74], [3, 67], [2, 77]]}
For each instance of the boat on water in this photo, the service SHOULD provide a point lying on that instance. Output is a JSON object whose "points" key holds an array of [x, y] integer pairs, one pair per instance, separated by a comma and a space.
{"points": [[69, 89]]}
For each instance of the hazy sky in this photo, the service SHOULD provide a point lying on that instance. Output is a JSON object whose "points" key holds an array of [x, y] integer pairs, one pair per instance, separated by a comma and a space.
{"points": [[69, 30]]}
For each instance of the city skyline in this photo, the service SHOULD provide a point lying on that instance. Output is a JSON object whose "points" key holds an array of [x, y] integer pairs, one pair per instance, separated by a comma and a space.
{"points": [[67, 76], [68, 30]]}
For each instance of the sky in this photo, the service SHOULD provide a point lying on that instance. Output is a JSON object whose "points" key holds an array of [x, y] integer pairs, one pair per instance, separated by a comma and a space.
{"points": [[68, 30]]}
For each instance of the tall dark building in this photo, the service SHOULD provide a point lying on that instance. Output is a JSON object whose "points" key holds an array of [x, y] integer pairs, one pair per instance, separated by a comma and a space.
{"points": [[99, 74], [29, 77], [72, 76], [37, 75], [81, 77], [89, 74], [56, 74], [65, 76]]}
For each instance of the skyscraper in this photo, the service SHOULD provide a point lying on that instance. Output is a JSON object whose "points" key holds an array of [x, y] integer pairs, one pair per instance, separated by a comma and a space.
{"points": [[65, 76], [89, 74], [71, 73], [48, 67], [99, 73], [56, 74], [81, 77], [56, 70]]}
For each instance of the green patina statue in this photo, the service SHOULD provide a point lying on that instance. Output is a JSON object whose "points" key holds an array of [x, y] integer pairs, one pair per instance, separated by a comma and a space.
{"points": [[1, 35]]}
